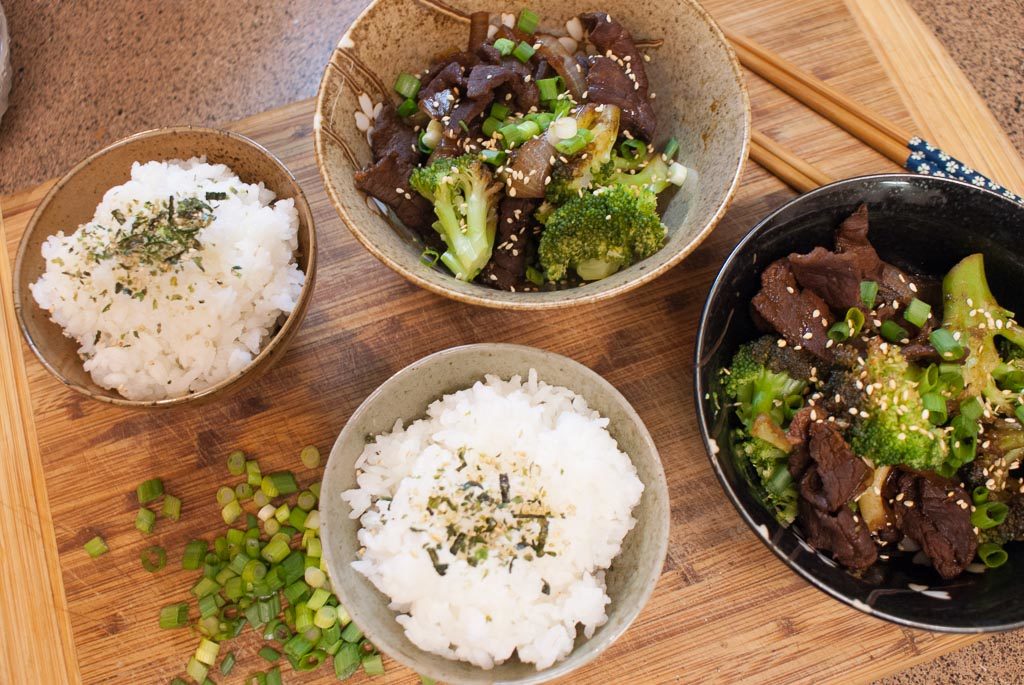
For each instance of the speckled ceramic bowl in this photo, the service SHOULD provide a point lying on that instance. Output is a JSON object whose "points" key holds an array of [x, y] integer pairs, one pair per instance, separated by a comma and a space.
{"points": [[72, 201], [406, 395], [701, 100], [920, 221]]}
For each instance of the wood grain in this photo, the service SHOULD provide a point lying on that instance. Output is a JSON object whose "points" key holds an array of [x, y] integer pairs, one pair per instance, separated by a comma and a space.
{"points": [[39, 645], [726, 610]]}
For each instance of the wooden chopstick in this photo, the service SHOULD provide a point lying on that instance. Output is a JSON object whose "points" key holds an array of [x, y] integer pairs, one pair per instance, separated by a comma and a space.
{"points": [[784, 164], [860, 121]]}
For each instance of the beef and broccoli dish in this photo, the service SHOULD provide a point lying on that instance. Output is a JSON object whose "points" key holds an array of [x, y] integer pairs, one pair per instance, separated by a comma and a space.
{"points": [[882, 410], [526, 160]]}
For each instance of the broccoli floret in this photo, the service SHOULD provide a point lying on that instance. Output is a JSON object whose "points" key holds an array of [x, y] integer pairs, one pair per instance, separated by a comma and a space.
{"points": [[765, 396], [464, 195], [971, 311], [599, 232], [571, 177], [756, 389], [895, 429], [774, 482]]}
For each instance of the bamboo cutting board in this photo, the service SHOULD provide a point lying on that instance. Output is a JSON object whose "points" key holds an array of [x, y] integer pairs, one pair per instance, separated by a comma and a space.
{"points": [[725, 609]]}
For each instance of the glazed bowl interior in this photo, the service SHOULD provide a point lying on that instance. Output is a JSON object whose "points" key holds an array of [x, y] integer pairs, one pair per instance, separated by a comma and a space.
{"points": [[406, 396], [72, 201], [701, 101], [927, 224]]}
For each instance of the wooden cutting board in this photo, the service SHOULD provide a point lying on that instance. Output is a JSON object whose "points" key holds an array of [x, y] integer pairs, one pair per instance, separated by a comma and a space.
{"points": [[725, 609]]}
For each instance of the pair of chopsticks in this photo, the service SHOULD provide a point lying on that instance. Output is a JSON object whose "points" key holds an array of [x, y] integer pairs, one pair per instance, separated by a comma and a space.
{"points": [[868, 126]]}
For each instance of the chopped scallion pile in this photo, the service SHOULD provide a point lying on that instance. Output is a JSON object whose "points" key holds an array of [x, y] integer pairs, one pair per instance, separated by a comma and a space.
{"points": [[272, 580]]}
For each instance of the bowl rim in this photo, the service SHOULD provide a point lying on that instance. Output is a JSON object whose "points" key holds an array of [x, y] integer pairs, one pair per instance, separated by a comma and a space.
{"points": [[290, 322], [597, 644], [515, 302], [699, 390]]}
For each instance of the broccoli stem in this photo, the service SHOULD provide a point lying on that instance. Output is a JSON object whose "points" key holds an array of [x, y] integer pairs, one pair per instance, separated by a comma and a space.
{"points": [[596, 269]]}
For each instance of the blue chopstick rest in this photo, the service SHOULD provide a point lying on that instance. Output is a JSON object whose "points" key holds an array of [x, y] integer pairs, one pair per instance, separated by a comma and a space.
{"points": [[929, 160]]}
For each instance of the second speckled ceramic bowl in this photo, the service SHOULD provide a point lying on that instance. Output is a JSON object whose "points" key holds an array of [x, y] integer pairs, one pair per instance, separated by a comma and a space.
{"points": [[701, 100], [406, 395]]}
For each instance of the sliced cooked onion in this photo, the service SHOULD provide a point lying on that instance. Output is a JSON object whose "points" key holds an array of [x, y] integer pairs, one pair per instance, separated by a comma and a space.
{"points": [[563, 63], [529, 167]]}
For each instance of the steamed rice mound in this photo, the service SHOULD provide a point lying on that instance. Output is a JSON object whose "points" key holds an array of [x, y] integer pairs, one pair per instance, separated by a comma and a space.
{"points": [[159, 317], [491, 522]]}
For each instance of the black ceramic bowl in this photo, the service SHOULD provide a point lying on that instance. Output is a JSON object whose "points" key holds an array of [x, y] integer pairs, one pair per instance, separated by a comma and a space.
{"points": [[923, 222]]}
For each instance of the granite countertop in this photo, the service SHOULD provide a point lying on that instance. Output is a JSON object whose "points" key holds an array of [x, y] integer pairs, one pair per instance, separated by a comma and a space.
{"points": [[118, 82]]}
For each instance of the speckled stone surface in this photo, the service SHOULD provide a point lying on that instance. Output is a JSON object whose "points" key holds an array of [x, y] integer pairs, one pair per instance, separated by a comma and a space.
{"points": [[91, 71]]}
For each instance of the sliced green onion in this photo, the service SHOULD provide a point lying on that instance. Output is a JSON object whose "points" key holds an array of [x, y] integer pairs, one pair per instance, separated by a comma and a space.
{"points": [[149, 490], [207, 651], [310, 456], [174, 616], [243, 492], [227, 663], [528, 129], [145, 520], [946, 345], [855, 320], [929, 380], [347, 660], [408, 108], [298, 645], [917, 312], [500, 111], [225, 495], [197, 670], [892, 331], [936, 406], [373, 665], [306, 500], [207, 606], [533, 275], [296, 591], [523, 52], [192, 559], [671, 148], [979, 495], [989, 515], [549, 87], [351, 633], [313, 520], [504, 46], [204, 587], [171, 507], [574, 145], [1019, 413], [236, 463], [407, 85], [633, 150], [319, 599], [96, 547], [280, 483], [528, 21], [489, 126], [231, 511], [315, 577], [992, 555], [972, 409], [868, 293], [839, 331], [153, 558], [252, 474], [272, 527], [311, 661], [274, 676], [282, 513], [275, 551], [269, 654]]}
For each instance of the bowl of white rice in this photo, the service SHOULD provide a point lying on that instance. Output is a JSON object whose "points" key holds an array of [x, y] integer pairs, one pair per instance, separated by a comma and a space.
{"points": [[494, 514], [173, 266]]}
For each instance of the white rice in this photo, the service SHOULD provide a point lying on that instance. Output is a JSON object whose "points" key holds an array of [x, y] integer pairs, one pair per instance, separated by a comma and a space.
{"points": [[152, 331], [552, 447]]}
